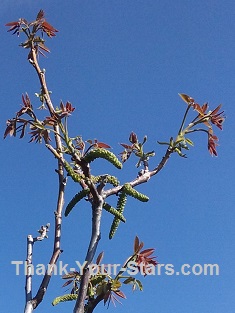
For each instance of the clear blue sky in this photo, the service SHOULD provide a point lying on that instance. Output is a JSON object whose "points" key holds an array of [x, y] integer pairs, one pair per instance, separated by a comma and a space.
{"points": [[122, 65]]}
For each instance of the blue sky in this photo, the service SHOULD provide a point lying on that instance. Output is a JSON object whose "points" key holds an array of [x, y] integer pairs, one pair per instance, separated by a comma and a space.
{"points": [[122, 65]]}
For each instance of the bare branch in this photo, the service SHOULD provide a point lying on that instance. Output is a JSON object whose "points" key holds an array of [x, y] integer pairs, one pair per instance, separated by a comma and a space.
{"points": [[29, 262], [61, 180], [28, 282], [95, 237]]}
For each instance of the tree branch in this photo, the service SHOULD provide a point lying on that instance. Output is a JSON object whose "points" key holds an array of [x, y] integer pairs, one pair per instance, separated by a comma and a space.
{"points": [[32, 304], [142, 178], [95, 237], [97, 205], [29, 260], [28, 282]]}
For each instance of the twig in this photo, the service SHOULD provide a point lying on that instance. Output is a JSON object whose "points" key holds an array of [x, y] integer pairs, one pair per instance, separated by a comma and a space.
{"points": [[28, 282], [29, 261], [142, 178], [32, 304]]}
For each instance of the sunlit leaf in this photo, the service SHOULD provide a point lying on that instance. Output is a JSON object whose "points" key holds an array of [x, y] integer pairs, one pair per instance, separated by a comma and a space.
{"points": [[216, 110], [163, 143], [102, 145], [129, 280], [147, 252], [116, 284], [120, 294], [189, 141], [186, 98], [12, 23], [138, 282], [180, 153], [150, 154]]}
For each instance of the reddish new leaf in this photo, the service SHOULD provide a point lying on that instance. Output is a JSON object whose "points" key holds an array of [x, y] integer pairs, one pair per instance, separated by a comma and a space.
{"points": [[11, 128], [128, 147], [70, 275], [136, 244], [48, 29], [102, 145], [40, 15], [23, 130], [100, 257], [120, 294], [133, 138], [67, 283], [43, 47], [186, 98], [147, 252], [12, 23], [216, 110]]}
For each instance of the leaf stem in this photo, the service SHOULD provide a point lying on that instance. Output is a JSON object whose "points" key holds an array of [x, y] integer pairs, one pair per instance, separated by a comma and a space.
{"points": [[184, 118]]}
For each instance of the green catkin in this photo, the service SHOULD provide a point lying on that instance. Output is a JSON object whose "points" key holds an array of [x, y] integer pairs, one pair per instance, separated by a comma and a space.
{"points": [[134, 193], [64, 298], [95, 179], [106, 179], [104, 154], [121, 201], [113, 211], [112, 180], [76, 177], [120, 208], [79, 196], [114, 227]]}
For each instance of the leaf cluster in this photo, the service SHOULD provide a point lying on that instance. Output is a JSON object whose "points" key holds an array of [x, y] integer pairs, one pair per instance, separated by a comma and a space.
{"points": [[104, 285]]}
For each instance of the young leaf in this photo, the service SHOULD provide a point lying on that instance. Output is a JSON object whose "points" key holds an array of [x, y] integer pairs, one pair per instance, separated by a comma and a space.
{"points": [[138, 282], [129, 280], [133, 138], [126, 146], [136, 244], [40, 15], [100, 257], [189, 141], [186, 98], [67, 283], [102, 145]]}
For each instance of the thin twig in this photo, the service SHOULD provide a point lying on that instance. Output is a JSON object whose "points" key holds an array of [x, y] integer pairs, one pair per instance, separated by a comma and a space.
{"points": [[28, 280], [29, 263], [62, 183], [143, 178]]}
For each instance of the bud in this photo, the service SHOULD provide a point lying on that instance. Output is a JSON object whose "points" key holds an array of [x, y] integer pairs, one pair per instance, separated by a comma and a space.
{"points": [[133, 138]]}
